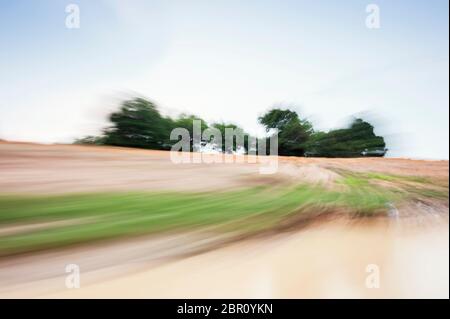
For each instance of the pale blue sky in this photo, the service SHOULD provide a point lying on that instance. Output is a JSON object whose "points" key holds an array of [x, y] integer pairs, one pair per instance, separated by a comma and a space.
{"points": [[227, 60]]}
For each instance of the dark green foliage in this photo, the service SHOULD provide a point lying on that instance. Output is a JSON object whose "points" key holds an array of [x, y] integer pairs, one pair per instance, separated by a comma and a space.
{"points": [[293, 133], [186, 121], [137, 124], [357, 140], [238, 131], [91, 140]]}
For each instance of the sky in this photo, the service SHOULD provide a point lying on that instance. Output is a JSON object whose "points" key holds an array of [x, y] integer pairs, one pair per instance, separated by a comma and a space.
{"points": [[227, 60]]}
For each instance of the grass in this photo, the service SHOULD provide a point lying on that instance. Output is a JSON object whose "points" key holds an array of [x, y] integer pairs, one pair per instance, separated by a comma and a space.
{"points": [[397, 178], [101, 216], [411, 187]]}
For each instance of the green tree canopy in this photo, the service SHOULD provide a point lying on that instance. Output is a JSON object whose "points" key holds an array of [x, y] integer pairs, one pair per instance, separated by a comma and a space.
{"points": [[356, 140], [293, 132], [186, 121], [222, 126], [137, 124]]}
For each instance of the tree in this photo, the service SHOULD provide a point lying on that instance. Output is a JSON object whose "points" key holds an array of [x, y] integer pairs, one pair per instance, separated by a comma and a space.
{"points": [[356, 140], [293, 132], [137, 124], [90, 140], [239, 133], [187, 122]]}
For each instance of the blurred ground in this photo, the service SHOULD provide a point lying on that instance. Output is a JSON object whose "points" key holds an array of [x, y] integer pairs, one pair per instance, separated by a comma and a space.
{"points": [[327, 259], [34, 168]]}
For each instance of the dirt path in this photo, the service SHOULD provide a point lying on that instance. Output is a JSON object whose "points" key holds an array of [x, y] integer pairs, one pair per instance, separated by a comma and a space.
{"points": [[327, 261]]}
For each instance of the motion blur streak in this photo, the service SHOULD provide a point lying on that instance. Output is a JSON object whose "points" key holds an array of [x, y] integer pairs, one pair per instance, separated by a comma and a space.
{"points": [[139, 226]]}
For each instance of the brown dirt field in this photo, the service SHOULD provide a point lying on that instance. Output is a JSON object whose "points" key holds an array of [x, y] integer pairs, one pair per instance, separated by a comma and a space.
{"points": [[72, 168], [328, 259]]}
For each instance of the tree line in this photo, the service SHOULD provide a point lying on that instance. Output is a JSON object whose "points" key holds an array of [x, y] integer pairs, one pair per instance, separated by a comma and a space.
{"points": [[138, 123]]}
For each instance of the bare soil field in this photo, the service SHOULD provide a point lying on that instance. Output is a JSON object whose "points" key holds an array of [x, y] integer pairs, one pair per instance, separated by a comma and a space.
{"points": [[330, 258], [33, 168]]}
